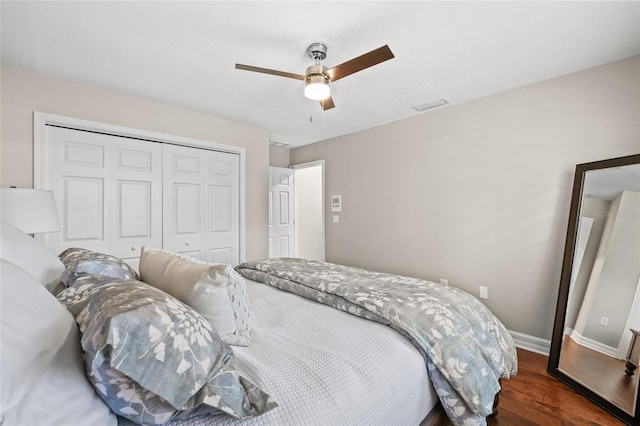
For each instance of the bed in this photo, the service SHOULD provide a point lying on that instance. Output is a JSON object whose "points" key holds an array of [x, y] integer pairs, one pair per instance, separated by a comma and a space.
{"points": [[289, 359]]}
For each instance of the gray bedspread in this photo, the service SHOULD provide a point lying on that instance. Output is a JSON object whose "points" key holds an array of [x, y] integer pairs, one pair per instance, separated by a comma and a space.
{"points": [[466, 348]]}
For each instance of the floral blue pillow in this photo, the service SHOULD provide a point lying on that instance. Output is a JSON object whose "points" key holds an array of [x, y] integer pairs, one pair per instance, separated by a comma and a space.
{"points": [[152, 358], [79, 261]]}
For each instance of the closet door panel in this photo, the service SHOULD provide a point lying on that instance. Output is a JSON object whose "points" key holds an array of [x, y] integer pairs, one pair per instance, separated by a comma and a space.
{"points": [[220, 209], [133, 203], [222, 255], [223, 212], [77, 172], [202, 203], [186, 208], [185, 165], [133, 222], [79, 153], [183, 207], [136, 207], [83, 209], [141, 160], [107, 189]]}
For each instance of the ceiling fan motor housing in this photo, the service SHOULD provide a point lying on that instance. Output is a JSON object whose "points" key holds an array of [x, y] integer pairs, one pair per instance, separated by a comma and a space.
{"points": [[314, 71], [317, 51]]}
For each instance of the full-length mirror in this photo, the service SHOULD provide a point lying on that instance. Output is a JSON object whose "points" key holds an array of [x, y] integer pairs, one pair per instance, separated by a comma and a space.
{"points": [[594, 347]]}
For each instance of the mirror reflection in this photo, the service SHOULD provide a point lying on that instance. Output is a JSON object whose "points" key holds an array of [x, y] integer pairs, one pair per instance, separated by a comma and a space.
{"points": [[599, 349]]}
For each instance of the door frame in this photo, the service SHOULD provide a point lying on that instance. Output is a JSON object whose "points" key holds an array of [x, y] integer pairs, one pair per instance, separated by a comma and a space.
{"points": [[306, 166], [41, 120]]}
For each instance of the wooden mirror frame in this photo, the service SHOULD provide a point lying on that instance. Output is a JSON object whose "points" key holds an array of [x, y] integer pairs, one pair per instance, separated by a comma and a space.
{"points": [[563, 293]]}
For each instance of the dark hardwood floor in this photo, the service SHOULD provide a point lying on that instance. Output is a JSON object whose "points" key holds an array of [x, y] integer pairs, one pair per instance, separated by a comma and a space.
{"points": [[603, 372], [533, 397]]}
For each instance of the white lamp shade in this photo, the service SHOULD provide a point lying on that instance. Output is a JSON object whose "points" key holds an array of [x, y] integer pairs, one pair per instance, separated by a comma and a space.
{"points": [[33, 211]]}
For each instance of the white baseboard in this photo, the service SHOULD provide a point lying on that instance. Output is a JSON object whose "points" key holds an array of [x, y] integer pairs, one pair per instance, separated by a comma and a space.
{"points": [[592, 344], [531, 343]]}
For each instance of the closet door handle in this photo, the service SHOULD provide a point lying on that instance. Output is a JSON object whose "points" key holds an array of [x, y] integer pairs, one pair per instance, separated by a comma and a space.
{"points": [[134, 248], [186, 243]]}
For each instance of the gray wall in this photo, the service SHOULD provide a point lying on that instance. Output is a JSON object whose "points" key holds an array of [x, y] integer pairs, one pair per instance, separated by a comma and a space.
{"points": [[24, 92], [278, 157], [479, 192]]}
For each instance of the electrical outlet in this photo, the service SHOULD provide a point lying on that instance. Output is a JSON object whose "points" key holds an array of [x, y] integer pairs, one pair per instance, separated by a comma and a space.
{"points": [[604, 321], [444, 281], [484, 292], [336, 218]]}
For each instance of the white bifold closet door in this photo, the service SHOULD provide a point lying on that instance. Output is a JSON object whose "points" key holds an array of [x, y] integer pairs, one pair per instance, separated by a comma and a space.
{"points": [[115, 194], [108, 191], [201, 203]]}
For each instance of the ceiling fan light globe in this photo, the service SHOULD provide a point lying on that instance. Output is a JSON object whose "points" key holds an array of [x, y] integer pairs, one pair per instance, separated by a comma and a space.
{"points": [[316, 83], [317, 90]]}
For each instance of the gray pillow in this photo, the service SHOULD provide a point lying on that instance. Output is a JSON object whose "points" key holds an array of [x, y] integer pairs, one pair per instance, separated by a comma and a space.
{"points": [[79, 261], [154, 359], [215, 290]]}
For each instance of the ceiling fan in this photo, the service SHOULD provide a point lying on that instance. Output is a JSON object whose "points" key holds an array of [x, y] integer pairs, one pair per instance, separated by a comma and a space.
{"points": [[317, 77]]}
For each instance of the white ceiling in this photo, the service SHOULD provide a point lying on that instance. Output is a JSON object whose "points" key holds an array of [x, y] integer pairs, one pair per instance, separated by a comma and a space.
{"points": [[183, 53]]}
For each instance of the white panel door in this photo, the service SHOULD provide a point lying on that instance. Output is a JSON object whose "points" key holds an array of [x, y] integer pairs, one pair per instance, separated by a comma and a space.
{"points": [[136, 187], [182, 201], [201, 204], [78, 175], [281, 213], [107, 190], [222, 225]]}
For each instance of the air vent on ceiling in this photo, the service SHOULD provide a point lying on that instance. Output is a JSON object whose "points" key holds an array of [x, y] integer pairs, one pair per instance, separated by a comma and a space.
{"points": [[430, 105], [278, 144]]}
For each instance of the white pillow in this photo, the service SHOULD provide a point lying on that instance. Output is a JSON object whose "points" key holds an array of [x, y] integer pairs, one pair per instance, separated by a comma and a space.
{"points": [[216, 291], [42, 376], [30, 255]]}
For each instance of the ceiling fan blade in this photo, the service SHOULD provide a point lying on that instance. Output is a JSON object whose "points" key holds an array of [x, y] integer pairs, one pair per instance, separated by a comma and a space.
{"points": [[354, 65], [327, 103], [268, 71]]}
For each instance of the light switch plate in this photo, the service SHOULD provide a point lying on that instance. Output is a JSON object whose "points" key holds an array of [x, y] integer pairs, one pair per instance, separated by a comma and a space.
{"points": [[484, 292]]}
